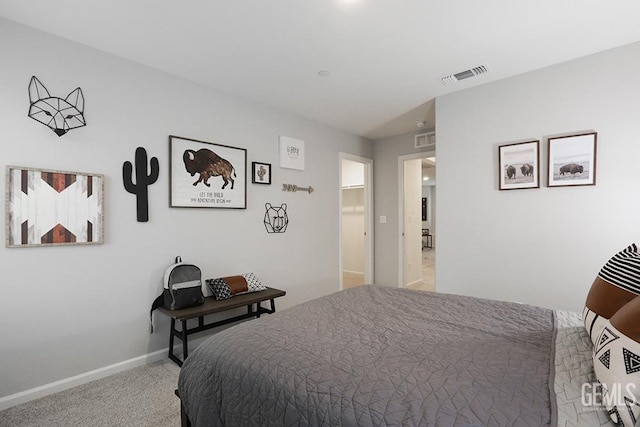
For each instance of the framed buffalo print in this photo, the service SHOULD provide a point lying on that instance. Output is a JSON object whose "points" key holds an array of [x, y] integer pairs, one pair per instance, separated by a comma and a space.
{"points": [[206, 175], [519, 165], [572, 160]]}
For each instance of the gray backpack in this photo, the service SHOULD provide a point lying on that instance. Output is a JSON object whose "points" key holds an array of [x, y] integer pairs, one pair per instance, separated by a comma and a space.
{"points": [[182, 288]]}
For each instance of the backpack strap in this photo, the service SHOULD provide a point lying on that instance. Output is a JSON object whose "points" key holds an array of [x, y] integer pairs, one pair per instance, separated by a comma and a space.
{"points": [[157, 303]]}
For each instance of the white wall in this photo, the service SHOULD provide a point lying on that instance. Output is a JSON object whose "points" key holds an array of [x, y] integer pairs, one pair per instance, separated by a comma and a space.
{"points": [[540, 246], [69, 310]]}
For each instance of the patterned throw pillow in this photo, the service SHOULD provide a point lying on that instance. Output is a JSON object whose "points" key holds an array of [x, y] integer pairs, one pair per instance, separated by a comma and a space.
{"points": [[219, 288], [617, 283], [225, 287], [253, 283], [616, 362]]}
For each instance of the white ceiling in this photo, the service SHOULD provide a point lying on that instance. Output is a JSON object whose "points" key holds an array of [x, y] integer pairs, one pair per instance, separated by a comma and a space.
{"points": [[385, 57]]}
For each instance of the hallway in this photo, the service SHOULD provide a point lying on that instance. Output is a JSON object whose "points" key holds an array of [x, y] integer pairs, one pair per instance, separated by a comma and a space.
{"points": [[351, 280], [428, 271]]}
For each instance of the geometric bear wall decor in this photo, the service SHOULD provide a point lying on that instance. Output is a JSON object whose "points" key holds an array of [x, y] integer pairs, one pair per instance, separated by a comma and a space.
{"points": [[48, 207], [61, 115], [276, 218]]}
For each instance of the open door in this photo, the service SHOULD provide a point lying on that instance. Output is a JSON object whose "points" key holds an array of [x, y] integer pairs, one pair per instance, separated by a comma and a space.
{"points": [[356, 225], [417, 198]]}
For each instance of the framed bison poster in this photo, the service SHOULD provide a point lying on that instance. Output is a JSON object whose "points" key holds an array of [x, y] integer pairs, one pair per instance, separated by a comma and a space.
{"points": [[572, 160], [519, 165], [52, 208], [206, 175]]}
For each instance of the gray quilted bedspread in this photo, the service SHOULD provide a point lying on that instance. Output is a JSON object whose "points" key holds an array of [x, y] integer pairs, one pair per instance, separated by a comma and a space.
{"points": [[378, 356], [574, 368]]}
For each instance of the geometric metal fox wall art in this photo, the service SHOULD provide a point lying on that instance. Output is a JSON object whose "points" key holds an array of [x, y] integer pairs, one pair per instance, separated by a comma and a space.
{"points": [[61, 115]]}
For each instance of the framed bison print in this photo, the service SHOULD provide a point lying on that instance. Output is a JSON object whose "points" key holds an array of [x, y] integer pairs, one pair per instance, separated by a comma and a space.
{"points": [[206, 175], [572, 160], [519, 165], [52, 208]]}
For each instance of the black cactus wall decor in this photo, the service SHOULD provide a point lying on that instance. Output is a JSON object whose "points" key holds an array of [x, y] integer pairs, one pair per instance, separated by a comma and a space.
{"points": [[143, 180]]}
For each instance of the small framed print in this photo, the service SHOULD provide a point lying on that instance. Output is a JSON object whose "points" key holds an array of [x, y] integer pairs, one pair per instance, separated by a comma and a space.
{"points": [[572, 160], [291, 153], [261, 173], [519, 165]]}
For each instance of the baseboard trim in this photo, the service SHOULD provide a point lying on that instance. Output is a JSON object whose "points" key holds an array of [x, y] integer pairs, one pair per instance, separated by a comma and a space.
{"points": [[359, 273], [415, 282], [67, 383]]}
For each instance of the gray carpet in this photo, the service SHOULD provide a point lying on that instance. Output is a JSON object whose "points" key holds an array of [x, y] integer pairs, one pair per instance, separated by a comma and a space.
{"points": [[143, 396]]}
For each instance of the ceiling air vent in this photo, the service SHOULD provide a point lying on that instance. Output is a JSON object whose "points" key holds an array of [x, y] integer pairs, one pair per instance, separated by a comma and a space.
{"points": [[472, 72], [425, 139]]}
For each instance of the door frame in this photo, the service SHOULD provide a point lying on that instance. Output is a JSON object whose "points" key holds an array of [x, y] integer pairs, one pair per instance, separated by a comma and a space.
{"points": [[401, 160], [368, 215]]}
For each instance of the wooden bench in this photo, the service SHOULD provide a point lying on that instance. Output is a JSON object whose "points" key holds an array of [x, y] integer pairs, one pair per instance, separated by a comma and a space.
{"points": [[211, 306]]}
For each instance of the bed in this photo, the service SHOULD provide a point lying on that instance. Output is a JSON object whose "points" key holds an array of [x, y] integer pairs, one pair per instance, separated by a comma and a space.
{"points": [[378, 356]]}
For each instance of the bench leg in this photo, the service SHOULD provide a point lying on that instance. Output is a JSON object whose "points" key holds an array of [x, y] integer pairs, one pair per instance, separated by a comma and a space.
{"points": [[185, 351], [172, 331], [183, 336], [184, 419], [173, 326]]}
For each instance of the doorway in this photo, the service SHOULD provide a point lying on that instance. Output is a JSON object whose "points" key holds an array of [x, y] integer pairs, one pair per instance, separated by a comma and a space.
{"points": [[356, 224], [417, 221]]}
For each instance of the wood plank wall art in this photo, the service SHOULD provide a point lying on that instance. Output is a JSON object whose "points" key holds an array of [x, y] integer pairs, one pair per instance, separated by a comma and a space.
{"points": [[48, 207]]}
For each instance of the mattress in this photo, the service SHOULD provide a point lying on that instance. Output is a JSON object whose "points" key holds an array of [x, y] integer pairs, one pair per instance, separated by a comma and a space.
{"points": [[378, 356]]}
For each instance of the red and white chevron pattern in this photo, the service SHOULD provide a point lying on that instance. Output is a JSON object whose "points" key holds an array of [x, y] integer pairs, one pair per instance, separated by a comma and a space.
{"points": [[50, 207]]}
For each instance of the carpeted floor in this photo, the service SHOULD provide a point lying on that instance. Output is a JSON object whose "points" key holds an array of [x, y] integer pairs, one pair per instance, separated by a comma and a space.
{"points": [[143, 396]]}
